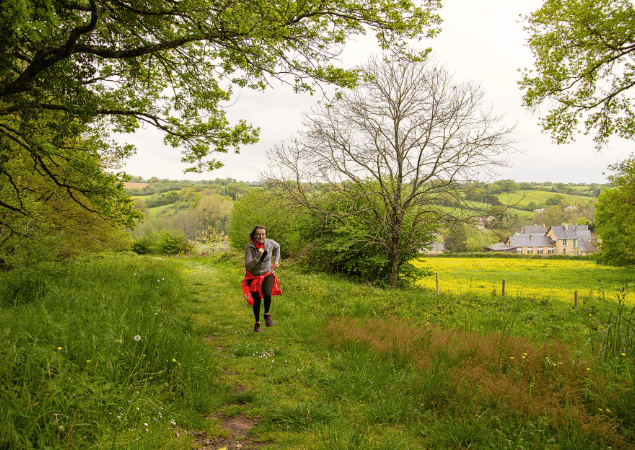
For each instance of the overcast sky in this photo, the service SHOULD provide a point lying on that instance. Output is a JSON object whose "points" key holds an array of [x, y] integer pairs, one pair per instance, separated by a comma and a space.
{"points": [[480, 40]]}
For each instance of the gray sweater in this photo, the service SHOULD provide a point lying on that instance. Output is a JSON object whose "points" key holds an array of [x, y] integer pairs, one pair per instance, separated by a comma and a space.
{"points": [[260, 264]]}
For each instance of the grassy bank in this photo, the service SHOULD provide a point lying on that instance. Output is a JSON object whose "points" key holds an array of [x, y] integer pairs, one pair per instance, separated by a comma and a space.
{"points": [[347, 366], [98, 353]]}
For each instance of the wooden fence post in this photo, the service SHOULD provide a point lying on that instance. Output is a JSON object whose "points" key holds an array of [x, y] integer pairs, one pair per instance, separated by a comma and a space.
{"points": [[503, 288], [437, 283], [575, 299]]}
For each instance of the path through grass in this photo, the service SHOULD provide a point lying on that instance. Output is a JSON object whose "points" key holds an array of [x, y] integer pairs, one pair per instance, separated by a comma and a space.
{"points": [[344, 368], [153, 353]]}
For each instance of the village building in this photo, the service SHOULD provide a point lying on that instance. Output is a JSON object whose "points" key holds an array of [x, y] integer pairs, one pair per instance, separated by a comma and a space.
{"points": [[572, 239], [531, 244], [559, 240], [500, 247], [433, 249]]}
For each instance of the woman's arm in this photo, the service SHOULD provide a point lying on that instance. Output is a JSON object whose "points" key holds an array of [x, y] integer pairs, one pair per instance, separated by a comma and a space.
{"points": [[252, 257], [275, 254]]}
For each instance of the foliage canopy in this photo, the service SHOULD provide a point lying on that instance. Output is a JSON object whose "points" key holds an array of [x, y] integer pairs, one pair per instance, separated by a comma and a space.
{"points": [[615, 216], [584, 71], [74, 72]]}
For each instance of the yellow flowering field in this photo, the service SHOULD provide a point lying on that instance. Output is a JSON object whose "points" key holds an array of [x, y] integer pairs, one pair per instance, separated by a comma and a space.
{"points": [[537, 278]]}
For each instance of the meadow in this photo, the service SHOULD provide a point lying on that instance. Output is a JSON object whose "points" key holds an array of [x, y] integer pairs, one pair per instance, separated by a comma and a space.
{"points": [[524, 197], [542, 278], [139, 352]]}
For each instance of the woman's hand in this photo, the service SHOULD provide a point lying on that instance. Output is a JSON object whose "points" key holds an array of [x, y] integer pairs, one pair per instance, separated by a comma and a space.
{"points": [[276, 265], [261, 251]]}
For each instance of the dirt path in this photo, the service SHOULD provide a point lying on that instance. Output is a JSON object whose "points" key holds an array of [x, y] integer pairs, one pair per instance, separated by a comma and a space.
{"points": [[228, 318]]}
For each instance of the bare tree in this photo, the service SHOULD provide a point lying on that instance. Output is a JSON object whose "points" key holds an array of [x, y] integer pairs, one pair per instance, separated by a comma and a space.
{"points": [[406, 141]]}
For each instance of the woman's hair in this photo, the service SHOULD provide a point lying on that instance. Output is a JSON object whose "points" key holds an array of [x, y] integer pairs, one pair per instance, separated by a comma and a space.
{"points": [[252, 236]]}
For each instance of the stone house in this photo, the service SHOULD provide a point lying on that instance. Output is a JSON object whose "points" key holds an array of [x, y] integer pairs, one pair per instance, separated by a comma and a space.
{"points": [[571, 239], [560, 240]]}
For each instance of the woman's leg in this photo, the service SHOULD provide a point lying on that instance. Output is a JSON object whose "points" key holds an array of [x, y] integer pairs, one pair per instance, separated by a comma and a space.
{"points": [[256, 306], [267, 286]]}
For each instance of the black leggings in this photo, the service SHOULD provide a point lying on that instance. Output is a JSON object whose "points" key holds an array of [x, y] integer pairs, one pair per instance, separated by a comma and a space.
{"points": [[267, 286]]}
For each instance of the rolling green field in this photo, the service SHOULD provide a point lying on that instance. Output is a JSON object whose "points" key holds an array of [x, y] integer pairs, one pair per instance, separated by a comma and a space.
{"points": [[523, 197], [536, 278]]}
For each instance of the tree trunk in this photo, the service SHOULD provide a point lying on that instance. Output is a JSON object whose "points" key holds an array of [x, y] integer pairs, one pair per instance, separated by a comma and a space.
{"points": [[393, 268]]}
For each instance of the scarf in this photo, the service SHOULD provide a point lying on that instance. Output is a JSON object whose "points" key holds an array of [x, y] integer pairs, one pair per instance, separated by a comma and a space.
{"points": [[257, 285], [258, 245]]}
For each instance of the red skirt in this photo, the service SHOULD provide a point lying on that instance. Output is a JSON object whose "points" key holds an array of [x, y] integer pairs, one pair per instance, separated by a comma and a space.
{"points": [[257, 286]]}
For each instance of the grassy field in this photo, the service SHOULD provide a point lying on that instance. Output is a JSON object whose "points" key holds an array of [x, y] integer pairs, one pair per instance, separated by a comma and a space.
{"points": [[523, 197], [151, 353], [530, 278]]}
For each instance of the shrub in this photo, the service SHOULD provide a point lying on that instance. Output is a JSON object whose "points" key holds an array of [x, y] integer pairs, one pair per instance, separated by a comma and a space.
{"points": [[265, 207], [167, 242]]}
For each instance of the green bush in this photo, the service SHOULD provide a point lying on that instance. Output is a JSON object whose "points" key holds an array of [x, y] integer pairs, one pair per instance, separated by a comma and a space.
{"points": [[342, 246], [167, 242], [172, 242], [265, 207]]}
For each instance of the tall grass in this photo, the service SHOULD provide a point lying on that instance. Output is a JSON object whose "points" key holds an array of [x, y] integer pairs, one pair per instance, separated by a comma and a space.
{"points": [[453, 386], [97, 352]]}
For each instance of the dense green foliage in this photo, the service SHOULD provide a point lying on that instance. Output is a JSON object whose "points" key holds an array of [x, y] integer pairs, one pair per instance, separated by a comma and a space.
{"points": [[583, 53], [266, 207], [62, 196], [73, 73], [615, 217], [98, 351], [107, 66], [340, 241], [456, 240]]}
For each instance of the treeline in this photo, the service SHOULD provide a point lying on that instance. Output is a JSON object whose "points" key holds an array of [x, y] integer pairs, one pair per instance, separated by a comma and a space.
{"points": [[184, 216], [155, 187]]}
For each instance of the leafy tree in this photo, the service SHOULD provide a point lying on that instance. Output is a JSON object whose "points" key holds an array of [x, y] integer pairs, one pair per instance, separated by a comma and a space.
{"points": [[456, 241], [494, 189], [583, 52], [554, 215], [556, 200], [478, 239], [267, 207], [64, 194], [507, 185], [403, 143], [615, 216], [103, 65]]}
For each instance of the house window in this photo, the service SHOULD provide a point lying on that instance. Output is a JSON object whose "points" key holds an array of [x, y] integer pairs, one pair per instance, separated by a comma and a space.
{"points": [[530, 250], [575, 243], [550, 250], [564, 242], [540, 250], [564, 251], [519, 250]]}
